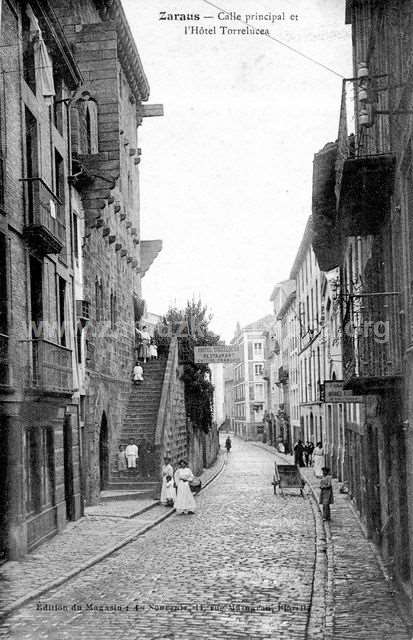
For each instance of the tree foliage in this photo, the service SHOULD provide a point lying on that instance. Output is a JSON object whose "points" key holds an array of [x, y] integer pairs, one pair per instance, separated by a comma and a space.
{"points": [[191, 326]]}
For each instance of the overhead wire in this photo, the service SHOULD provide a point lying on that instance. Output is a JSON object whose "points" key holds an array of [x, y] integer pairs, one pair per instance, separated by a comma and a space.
{"points": [[280, 42]]}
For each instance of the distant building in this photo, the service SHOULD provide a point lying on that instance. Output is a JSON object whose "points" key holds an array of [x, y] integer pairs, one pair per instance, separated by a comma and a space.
{"points": [[249, 402], [278, 367]]}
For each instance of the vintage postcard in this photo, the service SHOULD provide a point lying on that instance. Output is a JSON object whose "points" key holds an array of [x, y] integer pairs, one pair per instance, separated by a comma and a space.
{"points": [[206, 319]]}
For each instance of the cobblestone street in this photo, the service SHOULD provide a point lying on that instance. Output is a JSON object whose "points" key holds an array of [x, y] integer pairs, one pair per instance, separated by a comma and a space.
{"points": [[242, 548], [242, 567]]}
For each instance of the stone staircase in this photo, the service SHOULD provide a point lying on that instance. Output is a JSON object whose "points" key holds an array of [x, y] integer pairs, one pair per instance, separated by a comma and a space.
{"points": [[139, 423]]}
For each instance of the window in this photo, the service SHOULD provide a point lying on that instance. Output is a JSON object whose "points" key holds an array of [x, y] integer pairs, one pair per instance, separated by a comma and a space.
{"points": [[62, 310], [75, 236], [259, 391], [29, 72], [32, 472], [58, 103], [31, 144], [59, 176], [91, 127], [259, 369], [39, 469], [47, 467], [257, 346], [79, 345], [99, 299], [36, 296]]}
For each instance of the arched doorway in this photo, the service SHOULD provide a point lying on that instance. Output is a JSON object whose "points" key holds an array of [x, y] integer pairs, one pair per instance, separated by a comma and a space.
{"points": [[103, 451]]}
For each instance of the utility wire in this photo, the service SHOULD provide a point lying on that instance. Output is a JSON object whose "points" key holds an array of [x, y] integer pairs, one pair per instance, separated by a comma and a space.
{"points": [[283, 44]]}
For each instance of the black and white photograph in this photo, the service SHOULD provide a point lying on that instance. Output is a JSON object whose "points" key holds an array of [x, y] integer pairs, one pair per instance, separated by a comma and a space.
{"points": [[206, 319]]}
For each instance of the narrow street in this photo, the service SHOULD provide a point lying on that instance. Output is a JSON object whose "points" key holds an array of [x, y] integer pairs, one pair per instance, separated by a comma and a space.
{"points": [[243, 547], [247, 565]]}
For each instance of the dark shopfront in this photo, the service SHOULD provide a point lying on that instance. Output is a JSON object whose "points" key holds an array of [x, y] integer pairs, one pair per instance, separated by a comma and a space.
{"points": [[375, 467]]}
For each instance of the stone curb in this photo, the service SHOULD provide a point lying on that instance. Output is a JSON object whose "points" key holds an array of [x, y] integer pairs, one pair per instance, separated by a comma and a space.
{"points": [[32, 595], [133, 515]]}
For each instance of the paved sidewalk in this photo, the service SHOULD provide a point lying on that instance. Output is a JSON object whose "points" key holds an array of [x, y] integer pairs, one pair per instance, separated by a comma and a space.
{"points": [[102, 529], [362, 598]]}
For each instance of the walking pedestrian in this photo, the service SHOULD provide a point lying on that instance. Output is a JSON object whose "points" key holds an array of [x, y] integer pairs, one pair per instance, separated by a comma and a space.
{"points": [[318, 457], [326, 493], [228, 444], [132, 454], [137, 373], [167, 472], [307, 453], [185, 501], [298, 454]]}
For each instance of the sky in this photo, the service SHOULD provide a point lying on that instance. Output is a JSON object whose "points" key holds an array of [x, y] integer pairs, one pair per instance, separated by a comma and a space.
{"points": [[226, 173]]}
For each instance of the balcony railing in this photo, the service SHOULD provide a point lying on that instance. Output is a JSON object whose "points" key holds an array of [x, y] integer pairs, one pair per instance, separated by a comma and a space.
{"points": [[371, 342], [45, 229], [51, 369], [364, 174], [4, 359]]}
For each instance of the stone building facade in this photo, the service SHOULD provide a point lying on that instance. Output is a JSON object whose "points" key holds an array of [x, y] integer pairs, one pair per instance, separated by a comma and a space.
{"points": [[71, 255], [363, 216], [105, 115], [40, 466]]}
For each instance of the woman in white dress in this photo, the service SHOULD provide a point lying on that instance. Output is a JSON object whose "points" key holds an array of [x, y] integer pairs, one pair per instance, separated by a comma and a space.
{"points": [[318, 460], [167, 470], [185, 501]]}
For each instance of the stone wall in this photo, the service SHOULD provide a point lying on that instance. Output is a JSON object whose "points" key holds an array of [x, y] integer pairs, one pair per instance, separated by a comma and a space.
{"points": [[175, 435]]}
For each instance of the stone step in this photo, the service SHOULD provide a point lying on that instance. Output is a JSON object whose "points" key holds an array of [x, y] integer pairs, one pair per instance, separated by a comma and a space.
{"points": [[124, 494], [117, 484]]}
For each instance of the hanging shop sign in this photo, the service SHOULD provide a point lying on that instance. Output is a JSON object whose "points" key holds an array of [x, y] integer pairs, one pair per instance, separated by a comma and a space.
{"points": [[216, 353], [333, 391]]}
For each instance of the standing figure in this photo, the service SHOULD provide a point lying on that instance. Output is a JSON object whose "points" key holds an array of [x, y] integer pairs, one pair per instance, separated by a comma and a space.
{"points": [[132, 453], [298, 454], [307, 454], [121, 458], [228, 444], [137, 373], [153, 350], [170, 492], [146, 339], [185, 501], [146, 458], [310, 452], [326, 493], [167, 471], [318, 458]]}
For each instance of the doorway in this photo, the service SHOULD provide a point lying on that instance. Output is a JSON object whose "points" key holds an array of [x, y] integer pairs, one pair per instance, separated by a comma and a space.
{"points": [[3, 489], [103, 452], [68, 465]]}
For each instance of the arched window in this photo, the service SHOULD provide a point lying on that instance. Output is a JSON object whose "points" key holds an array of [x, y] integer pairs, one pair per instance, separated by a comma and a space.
{"points": [[91, 127]]}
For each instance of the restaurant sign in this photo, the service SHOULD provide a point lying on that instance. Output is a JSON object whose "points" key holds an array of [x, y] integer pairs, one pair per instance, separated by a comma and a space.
{"points": [[334, 392], [216, 353]]}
